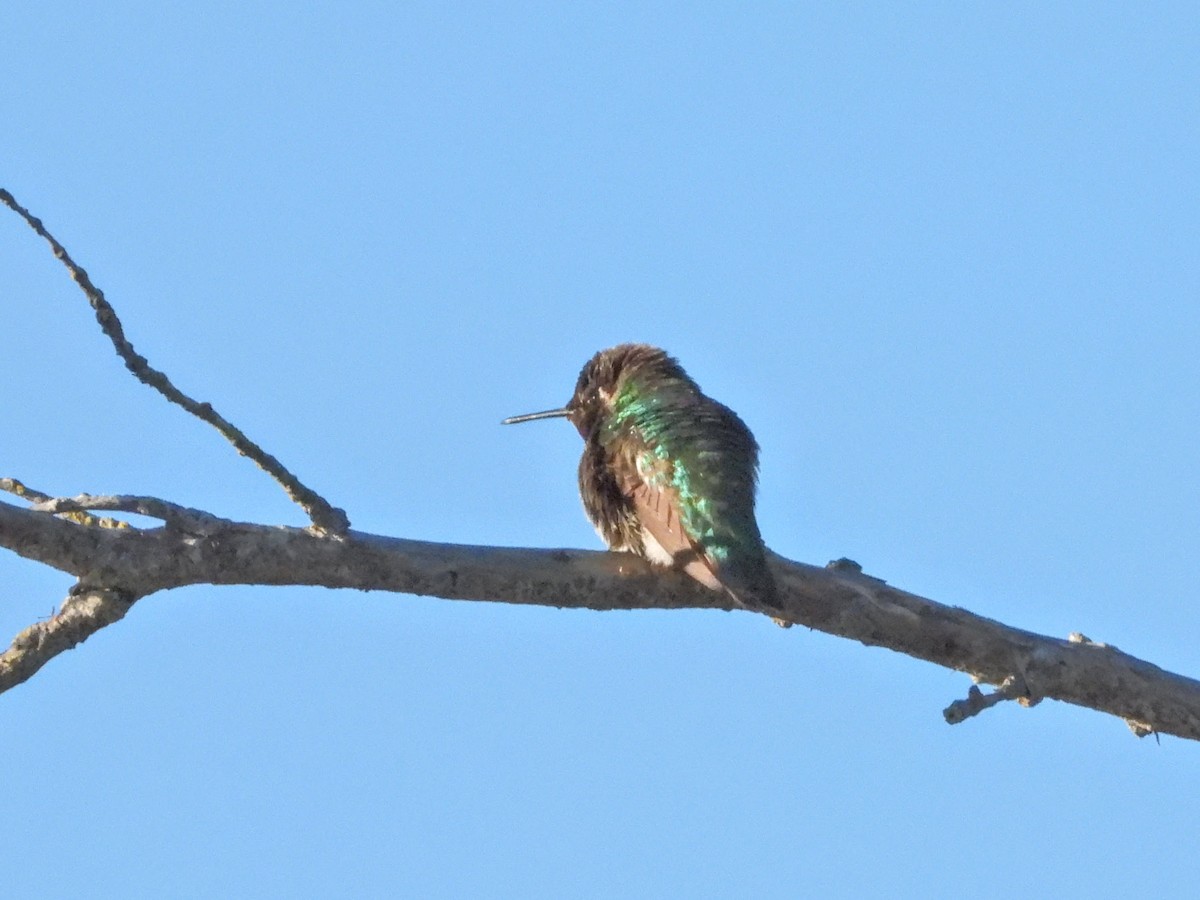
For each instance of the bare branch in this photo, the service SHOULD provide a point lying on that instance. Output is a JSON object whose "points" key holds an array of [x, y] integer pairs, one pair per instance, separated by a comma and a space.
{"points": [[837, 600], [1013, 688], [192, 520], [82, 615], [37, 497], [322, 514]]}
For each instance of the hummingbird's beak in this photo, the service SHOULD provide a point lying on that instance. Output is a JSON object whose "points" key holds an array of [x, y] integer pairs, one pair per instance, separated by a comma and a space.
{"points": [[529, 417]]}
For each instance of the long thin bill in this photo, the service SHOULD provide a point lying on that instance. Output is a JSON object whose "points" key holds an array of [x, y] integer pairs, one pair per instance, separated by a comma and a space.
{"points": [[529, 417]]}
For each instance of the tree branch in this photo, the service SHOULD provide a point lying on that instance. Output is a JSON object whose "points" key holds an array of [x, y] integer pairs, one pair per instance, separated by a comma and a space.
{"points": [[81, 615], [322, 514], [37, 497], [128, 564]]}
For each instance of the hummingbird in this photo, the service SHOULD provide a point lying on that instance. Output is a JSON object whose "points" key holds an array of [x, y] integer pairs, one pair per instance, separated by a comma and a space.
{"points": [[667, 472]]}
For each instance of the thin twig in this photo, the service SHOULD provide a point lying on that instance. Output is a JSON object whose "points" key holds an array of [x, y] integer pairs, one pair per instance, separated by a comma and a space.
{"points": [[77, 515], [976, 701], [194, 521], [323, 515]]}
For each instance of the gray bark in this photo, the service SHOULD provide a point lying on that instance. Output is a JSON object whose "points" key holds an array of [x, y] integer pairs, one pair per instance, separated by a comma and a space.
{"points": [[118, 566]]}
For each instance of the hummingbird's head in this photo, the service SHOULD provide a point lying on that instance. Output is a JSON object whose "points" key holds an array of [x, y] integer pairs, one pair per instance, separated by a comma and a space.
{"points": [[607, 376]]}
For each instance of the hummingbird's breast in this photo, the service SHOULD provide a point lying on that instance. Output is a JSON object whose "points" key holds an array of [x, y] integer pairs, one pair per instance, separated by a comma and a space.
{"points": [[609, 509]]}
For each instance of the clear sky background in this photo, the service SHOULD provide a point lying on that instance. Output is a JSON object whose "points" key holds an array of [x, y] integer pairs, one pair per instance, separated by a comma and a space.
{"points": [[942, 259]]}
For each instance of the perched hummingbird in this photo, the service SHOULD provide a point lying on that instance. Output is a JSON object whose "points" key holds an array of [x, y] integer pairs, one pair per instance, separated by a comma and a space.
{"points": [[668, 473]]}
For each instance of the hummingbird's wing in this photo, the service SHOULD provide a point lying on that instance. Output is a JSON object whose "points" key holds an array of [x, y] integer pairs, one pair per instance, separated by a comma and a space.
{"points": [[649, 486], [695, 501]]}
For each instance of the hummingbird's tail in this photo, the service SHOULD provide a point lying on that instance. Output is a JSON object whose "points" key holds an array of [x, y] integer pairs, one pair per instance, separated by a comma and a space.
{"points": [[751, 584]]}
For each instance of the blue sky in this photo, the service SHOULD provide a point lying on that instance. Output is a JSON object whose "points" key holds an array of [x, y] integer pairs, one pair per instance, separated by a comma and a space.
{"points": [[942, 259]]}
